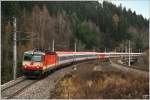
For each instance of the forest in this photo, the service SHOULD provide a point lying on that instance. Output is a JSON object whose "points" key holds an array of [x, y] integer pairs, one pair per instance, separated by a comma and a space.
{"points": [[90, 25]]}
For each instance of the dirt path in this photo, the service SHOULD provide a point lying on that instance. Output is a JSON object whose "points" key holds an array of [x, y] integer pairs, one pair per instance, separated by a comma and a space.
{"points": [[131, 70]]}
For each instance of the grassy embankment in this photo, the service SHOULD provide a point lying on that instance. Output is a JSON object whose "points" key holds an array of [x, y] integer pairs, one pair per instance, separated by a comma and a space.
{"points": [[101, 85]]}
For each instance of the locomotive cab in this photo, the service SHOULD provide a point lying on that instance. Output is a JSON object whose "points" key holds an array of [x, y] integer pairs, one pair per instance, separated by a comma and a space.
{"points": [[33, 63]]}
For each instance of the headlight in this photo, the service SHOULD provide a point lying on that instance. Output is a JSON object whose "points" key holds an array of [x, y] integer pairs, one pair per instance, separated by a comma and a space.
{"points": [[25, 66]]}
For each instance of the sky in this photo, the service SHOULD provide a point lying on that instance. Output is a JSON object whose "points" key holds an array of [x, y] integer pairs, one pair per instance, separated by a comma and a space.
{"points": [[139, 6]]}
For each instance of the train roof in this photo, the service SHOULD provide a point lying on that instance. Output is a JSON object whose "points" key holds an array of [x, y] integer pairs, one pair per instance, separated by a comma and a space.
{"points": [[43, 52], [57, 52], [64, 52], [34, 52]]}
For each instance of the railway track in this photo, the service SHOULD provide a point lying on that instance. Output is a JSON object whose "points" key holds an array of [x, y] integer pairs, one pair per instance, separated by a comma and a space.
{"points": [[13, 90], [12, 84], [16, 87]]}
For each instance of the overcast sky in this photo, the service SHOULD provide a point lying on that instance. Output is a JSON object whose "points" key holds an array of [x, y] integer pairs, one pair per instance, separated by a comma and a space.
{"points": [[139, 6]]}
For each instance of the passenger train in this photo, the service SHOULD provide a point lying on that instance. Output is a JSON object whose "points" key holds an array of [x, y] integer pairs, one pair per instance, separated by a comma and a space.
{"points": [[37, 63]]}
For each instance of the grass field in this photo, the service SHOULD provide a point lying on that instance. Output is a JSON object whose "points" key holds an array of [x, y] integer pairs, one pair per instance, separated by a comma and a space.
{"points": [[100, 84]]}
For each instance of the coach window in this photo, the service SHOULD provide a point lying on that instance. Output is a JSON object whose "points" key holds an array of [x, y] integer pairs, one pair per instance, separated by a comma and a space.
{"points": [[62, 58], [59, 58]]}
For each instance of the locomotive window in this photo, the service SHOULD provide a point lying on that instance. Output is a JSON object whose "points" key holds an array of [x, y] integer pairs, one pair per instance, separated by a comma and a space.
{"points": [[27, 57], [31, 57], [37, 58]]}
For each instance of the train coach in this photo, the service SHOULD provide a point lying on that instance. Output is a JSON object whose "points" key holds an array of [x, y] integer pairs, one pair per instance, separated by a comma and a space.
{"points": [[37, 63]]}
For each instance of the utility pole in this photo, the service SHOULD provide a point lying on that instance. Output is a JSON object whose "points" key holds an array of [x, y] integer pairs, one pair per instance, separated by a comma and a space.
{"points": [[75, 47], [129, 54], [53, 46], [105, 49], [102, 2], [139, 50], [93, 49], [126, 51], [14, 48]]}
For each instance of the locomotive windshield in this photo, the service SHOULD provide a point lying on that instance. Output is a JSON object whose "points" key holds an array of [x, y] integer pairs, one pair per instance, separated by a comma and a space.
{"points": [[36, 58], [32, 57], [27, 57]]}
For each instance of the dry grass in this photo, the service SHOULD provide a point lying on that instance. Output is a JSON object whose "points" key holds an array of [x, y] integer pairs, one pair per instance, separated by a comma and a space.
{"points": [[101, 85]]}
